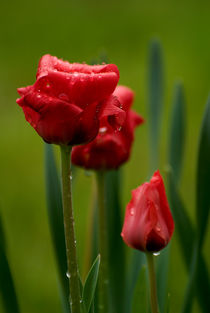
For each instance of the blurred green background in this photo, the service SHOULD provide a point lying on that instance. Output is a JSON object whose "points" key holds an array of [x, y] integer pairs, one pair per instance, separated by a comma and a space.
{"points": [[79, 31]]}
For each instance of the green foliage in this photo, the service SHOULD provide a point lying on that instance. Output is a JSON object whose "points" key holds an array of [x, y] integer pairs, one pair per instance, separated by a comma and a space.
{"points": [[140, 295], [90, 285], [134, 268], [116, 248], [203, 177], [202, 213], [7, 287], [177, 131], [55, 214], [155, 94], [162, 276]]}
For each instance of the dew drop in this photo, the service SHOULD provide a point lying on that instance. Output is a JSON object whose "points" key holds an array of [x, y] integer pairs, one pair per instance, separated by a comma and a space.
{"points": [[119, 128], [102, 130], [156, 253], [63, 97], [158, 229], [132, 211], [38, 96], [67, 274]]}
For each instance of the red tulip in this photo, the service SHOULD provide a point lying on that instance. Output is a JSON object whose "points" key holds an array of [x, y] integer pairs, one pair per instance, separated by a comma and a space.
{"points": [[148, 224], [67, 100], [110, 148]]}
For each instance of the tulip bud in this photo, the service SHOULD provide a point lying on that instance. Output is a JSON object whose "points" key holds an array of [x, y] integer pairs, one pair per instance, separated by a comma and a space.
{"points": [[148, 224]]}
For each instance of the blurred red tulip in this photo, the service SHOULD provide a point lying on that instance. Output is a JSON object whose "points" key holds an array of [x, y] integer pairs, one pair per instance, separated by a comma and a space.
{"points": [[148, 224], [111, 147]]}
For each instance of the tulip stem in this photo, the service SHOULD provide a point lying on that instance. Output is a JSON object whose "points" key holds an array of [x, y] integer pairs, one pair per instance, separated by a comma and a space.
{"points": [[152, 280], [72, 272], [103, 245]]}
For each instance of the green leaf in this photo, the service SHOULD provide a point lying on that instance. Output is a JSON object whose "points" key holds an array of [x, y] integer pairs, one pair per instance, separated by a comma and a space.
{"points": [[177, 132], [140, 296], [55, 214], [90, 284], [7, 287], [155, 99], [203, 176], [135, 266], [116, 244], [186, 242], [162, 277], [202, 211]]}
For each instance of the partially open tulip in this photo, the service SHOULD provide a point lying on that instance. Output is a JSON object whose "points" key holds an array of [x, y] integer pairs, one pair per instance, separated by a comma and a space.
{"points": [[148, 224], [111, 147], [67, 100]]}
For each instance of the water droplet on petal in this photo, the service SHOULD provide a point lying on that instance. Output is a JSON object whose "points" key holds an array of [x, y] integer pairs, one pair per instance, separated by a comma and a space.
{"points": [[63, 97], [132, 211], [102, 130]]}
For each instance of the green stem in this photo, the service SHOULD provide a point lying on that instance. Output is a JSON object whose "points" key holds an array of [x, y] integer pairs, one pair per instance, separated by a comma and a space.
{"points": [[73, 273], [103, 245], [152, 280]]}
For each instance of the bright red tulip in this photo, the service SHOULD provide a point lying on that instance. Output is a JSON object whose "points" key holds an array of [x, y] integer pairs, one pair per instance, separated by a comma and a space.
{"points": [[67, 100], [148, 224], [111, 147]]}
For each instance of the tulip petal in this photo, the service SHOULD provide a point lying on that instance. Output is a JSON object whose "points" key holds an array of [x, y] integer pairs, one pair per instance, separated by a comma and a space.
{"points": [[111, 110], [125, 96]]}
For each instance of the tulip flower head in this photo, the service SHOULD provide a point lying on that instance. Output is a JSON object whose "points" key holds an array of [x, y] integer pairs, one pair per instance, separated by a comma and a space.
{"points": [[111, 147], [148, 224], [67, 100]]}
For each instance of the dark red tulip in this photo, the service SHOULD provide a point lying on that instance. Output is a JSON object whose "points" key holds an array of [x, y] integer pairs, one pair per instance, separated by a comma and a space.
{"points": [[111, 147], [148, 224], [67, 100]]}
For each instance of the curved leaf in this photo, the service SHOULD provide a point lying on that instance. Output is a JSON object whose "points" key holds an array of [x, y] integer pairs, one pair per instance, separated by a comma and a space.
{"points": [[90, 284]]}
